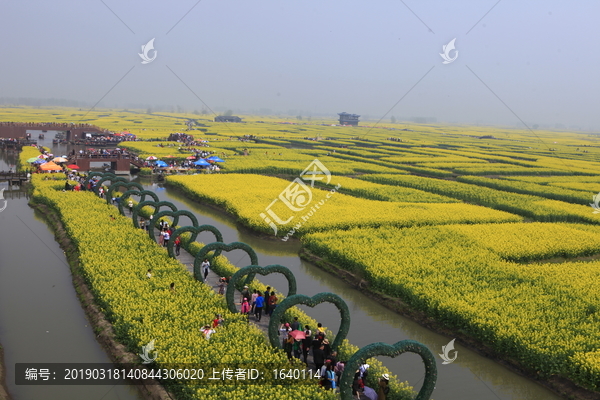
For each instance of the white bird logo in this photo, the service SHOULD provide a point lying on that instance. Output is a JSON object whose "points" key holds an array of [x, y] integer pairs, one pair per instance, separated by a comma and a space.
{"points": [[447, 349], [446, 54], [145, 49], [594, 205], [2, 198], [146, 349]]}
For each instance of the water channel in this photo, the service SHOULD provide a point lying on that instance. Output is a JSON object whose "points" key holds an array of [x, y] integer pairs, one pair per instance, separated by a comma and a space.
{"points": [[30, 305], [41, 319]]}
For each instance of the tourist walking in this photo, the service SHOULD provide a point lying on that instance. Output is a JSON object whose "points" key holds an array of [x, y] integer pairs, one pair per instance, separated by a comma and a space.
{"points": [[161, 238], [245, 294], [205, 267], [253, 300], [177, 245], [245, 307], [306, 343], [222, 286], [272, 303], [384, 388], [297, 348], [295, 324], [318, 354], [166, 236], [284, 330], [260, 302], [288, 345], [267, 295], [331, 381], [130, 205]]}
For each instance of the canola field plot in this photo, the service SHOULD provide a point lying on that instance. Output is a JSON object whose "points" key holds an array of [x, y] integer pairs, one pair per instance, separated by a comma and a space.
{"points": [[247, 196], [375, 191], [549, 192], [535, 207], [587, 187], [533, 241], [544, 316], [546, 180]]}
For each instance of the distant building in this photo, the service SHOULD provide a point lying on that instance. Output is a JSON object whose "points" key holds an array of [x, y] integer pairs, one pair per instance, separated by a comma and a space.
{"points": [[349, 119], [224, 118]]}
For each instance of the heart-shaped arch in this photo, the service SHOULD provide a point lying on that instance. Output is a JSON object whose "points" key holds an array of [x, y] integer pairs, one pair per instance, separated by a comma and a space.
{"points": [[135, 192], [119, 185], [194, 230], [384, 349], [317, 299], [256, 269], [156, 204], [170, 213], [201, 255], [113, 179]]}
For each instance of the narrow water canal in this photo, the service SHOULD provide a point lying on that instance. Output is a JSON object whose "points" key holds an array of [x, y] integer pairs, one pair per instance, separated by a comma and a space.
{"points": [[41, 319], [470, 377]]}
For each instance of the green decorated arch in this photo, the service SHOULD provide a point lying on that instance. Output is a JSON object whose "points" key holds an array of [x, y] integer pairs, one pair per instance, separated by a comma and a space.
{"points": [[194, 230], [256, 269], [113, 179], [202, 254], [156, 204], [118, 185], [135, 192], [384, 349], [317, 299], [170, 213]]}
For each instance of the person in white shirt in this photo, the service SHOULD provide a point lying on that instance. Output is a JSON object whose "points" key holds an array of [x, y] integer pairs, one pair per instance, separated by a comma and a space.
{"points": [[207, 331], [205, 267]]}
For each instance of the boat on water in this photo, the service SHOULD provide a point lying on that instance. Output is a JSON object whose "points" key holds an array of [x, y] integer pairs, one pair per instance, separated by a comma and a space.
{"points": [[41, 136]]}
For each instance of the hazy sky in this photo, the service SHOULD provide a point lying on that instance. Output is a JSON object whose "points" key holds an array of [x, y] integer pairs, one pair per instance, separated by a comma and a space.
{"points": [[540, 57]]}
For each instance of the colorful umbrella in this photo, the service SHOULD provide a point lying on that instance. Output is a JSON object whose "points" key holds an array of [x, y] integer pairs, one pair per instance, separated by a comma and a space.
{"points": [[73, 166], [40, 161], [151, 158], [160, 163], [298, 335], [215, 159], [59, 160], [50, 166], [201, 162], [191, 158], [33, 159]]}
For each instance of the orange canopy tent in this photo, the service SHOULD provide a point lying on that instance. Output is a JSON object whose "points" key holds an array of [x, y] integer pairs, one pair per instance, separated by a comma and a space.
{"points": [[50, 166]]}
